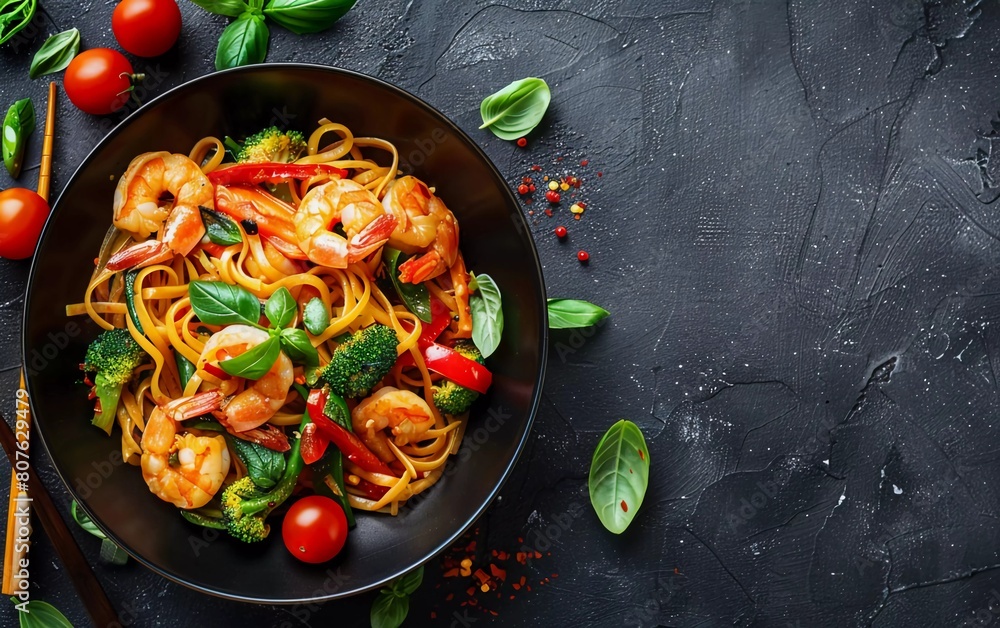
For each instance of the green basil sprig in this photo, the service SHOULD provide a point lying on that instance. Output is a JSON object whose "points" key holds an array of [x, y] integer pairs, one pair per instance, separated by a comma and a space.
{"points": [[18, 124], [256, 362], [217, 303], [15, 15], [280, 309], [38, 614], [393, 603], [307, 16], [487, 314], [315, 316], [516, 110], [55, 54], [84, 521], [619, 474], [299, 348], [570, 313], [110, 553], [264, 466], [243, 42], [229, 8], [414, 295], [221, 229]]}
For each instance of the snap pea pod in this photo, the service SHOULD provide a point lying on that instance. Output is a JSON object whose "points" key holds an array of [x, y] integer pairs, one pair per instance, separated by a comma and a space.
{"points": [[18, 124], [15, 15]]}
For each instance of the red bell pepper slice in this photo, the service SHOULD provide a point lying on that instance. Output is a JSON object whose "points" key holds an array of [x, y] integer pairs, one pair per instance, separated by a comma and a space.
{"points": [[458, 368], [314, 443], [371, 490], [429, 332], [271, 173], [345, 441], [212, 369]]}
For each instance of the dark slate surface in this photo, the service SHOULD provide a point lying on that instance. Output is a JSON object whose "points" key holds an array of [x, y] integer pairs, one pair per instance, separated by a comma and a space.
{"points": [[796, 233]]}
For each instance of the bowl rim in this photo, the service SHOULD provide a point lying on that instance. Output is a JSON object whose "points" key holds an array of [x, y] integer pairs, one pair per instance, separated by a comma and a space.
{"points": [[543, 337]]}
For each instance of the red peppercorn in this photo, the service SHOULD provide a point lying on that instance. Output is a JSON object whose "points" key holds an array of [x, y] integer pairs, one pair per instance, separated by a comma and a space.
{"points": [[552, 196], [583, 256], [531, 187], [561, 232], [522, 142], [522, 189]]}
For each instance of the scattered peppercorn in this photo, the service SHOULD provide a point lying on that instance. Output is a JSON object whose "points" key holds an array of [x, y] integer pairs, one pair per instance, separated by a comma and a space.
{"points": [[583, 256], [522, 142], [561, 232], [552, 196], [522, 189]]}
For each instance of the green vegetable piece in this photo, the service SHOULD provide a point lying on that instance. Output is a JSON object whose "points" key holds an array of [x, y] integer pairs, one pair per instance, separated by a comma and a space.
{"points": [[14, 16], [55, 54], [337, 411], [280, 308], [487, 315], [133, 313], [243, 42], [361, 361], [414, 295], [18, 124], [114, 355], [393, 603], [203, 519], [84, 521], [516, 110], [307, 16], [619, 474], [229, 8], [217, 303], [185, 368], [299, 348], [571, 313], [256, 362], [272, 145], [39, 614], [264, 466], [315, 316], [111, 553], [330, 469], [221, 229], [451, 398]]}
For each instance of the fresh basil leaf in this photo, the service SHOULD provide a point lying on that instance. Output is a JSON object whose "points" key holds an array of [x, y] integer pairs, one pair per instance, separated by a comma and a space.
{"points": [[129, 279], [229, 8], [619, 474], [299, 348], [389, 610], [14, 16], [243, 42], [55, 54], [570, 313], [18, 124], [315, 316], [111, 553], [185, 368], [202, 518], [39, 614], [84, 521], [414, 295], [409, 582], [487, 315], [221, 229], [256, 362], [280, 308], [516, 110], [264, 466], [307, 16], [217, 303], [337, 411]]}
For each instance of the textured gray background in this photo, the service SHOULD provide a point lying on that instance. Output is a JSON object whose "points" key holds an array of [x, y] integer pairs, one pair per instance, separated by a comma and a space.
{"points": [[796, 235]]}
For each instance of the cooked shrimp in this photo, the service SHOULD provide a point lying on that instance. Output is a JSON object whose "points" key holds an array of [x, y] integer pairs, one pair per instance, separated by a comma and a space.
{"points": [[262, 399], [405, 412], [425, 226], [202, 461], [350, 204], [160, 192]]}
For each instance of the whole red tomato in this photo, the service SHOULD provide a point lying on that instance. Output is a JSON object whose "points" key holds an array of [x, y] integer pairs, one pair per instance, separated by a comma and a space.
{"points": [[315, 529], [22, 215], [146, 28], [98, 81]]}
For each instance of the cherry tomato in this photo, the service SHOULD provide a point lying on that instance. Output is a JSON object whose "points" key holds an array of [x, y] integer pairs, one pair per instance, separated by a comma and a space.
{"points": [[22, 215], [98, 81], [146, 28], [315, 529]]}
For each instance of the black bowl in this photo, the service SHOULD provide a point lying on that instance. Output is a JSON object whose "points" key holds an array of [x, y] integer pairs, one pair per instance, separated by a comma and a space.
{"points": [[495, 240]]}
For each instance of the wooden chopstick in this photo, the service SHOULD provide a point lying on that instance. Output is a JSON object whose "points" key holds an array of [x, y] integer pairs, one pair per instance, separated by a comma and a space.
{"points": [[18, 503], [45, 172], [94, 599]]}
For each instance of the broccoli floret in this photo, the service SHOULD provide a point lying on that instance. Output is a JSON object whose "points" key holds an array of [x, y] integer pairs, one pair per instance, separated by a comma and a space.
{"points": [[114, 355], [451, 398], [361, 361], [272, 145], [245, 506]]}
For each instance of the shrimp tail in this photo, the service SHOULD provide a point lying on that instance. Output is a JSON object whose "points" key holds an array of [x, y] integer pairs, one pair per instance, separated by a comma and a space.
{"points": [[371, 237], [420, 269], [141, 255], [197, 405]]}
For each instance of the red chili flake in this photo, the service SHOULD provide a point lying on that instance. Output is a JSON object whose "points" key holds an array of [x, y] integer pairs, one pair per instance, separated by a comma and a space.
{"points": [[481, 575], [555, 575], [582, 205], [559, 159], [624, 506], [517, 587], [584, 257], [552, 196], [548, 212], [642, 456], [494, 613], [584, 163], [576, 217], [522, 142], [600, 174], [531, 187], [471, 591], [451, 596], [538, 554], [536, 168], [522, 189], [561, 232], [451, 573], [577, 182], [433, 615], [531, 212], [512, 597], [498, 573]]}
